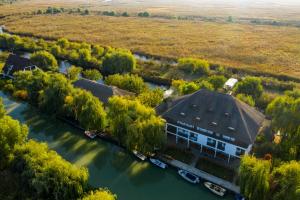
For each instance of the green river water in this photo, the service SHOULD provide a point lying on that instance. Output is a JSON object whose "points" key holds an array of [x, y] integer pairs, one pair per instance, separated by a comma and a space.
{"points": [[108, 165]]}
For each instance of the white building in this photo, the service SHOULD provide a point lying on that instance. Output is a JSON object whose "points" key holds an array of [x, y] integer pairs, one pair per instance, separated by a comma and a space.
{"points": [[215, 124], [230, 83]]}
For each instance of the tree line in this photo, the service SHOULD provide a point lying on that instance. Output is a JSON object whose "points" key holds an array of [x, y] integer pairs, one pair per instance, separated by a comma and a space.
{"points": [[54, 94], [41, 172], [107, 59]]}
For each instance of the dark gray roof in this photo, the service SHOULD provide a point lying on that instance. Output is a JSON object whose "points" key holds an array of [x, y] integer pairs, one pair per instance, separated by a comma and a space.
{"points": [[101, 91], [15, 63], [222, 114]]}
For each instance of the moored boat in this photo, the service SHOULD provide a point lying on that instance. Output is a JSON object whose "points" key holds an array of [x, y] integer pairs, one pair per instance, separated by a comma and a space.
{"points": [[216, 189], [158, 163], [139, 155], [90, 134], [188, 176]]}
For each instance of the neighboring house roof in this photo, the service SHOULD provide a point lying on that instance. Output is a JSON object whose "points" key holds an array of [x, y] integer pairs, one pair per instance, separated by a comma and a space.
{"points": [[226, 117], [101, 91], [16, 63]]}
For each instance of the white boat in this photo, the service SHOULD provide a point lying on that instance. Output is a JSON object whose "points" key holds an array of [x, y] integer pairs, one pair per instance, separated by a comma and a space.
{"points": [[139, 155], [90, 134], [158, 163], [218, 190], [188, 176]]}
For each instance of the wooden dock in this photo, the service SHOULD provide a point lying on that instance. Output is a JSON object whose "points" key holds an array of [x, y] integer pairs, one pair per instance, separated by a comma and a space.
{"points": [[206, 176]]}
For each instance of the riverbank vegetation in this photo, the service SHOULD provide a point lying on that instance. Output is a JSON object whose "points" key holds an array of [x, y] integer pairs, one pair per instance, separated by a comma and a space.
{"points": [[37, 171], [276, 174]]}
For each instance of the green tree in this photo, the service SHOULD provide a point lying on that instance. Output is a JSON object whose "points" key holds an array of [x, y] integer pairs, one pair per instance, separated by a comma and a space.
{"points": [[100, 194], [47, 175], [284, 111], [92, 74], [194, 66], [217, 81], [44, 60], [52, 99], [205, 85], [2, 109], [246, 98], [286, 181], [12, 133], [88, 110], [73, 72], [250, 86], [118, 62], [135, 125], [254, 178], [151, 98], [132, 83]]}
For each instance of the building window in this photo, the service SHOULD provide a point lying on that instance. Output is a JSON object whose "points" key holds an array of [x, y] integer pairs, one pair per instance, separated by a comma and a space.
{"points": [[183, 133], [221, 146], [239, 151], [193, 136], [171, 129], [211, 142]]}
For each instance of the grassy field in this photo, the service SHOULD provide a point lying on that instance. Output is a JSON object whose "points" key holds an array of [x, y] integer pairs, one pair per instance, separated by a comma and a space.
{"points": [[265, 48], [272, 49]]}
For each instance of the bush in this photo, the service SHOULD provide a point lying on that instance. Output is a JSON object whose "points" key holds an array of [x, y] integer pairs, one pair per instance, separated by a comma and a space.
{"points": [[194, 66], [44, 60], [246, 98], [21, 94], [143, 14], [118, 62], [132, 83], [92, 74], [249, 86]]}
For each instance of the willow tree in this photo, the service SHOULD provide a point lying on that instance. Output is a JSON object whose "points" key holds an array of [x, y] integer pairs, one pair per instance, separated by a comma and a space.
{"points": [[88, 110], [285, 117], [286, 181], [12, 133], [135, 124], [100, 194], [47, 175], [44, 60], [254, 178]]}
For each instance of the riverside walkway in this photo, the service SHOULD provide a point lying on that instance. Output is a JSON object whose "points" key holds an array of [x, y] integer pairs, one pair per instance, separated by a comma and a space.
{"points": [[225, 184]]}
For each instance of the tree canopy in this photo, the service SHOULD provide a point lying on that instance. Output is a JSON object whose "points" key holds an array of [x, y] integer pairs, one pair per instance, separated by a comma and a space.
{"points": [[44, 60], [254, 178], [118, 62], [194, 66], [130, 82], [92, 74], [250, 86], [135, 125]]}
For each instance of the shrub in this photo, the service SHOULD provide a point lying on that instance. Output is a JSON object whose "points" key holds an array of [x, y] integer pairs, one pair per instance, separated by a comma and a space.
{"points": [[21, 94], [194, 66], [118, 62], [249, 86], [92, 74], [44, 60], [246, 98]]}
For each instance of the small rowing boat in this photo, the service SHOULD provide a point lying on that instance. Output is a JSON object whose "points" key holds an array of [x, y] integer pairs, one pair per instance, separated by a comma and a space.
{"points": [[188, 176], [139, 155], [216, 189], [158, 163], [90, 134]]}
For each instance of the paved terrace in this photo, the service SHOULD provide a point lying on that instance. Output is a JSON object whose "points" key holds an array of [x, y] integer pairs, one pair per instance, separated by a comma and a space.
{"points": [[225, 184]]}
